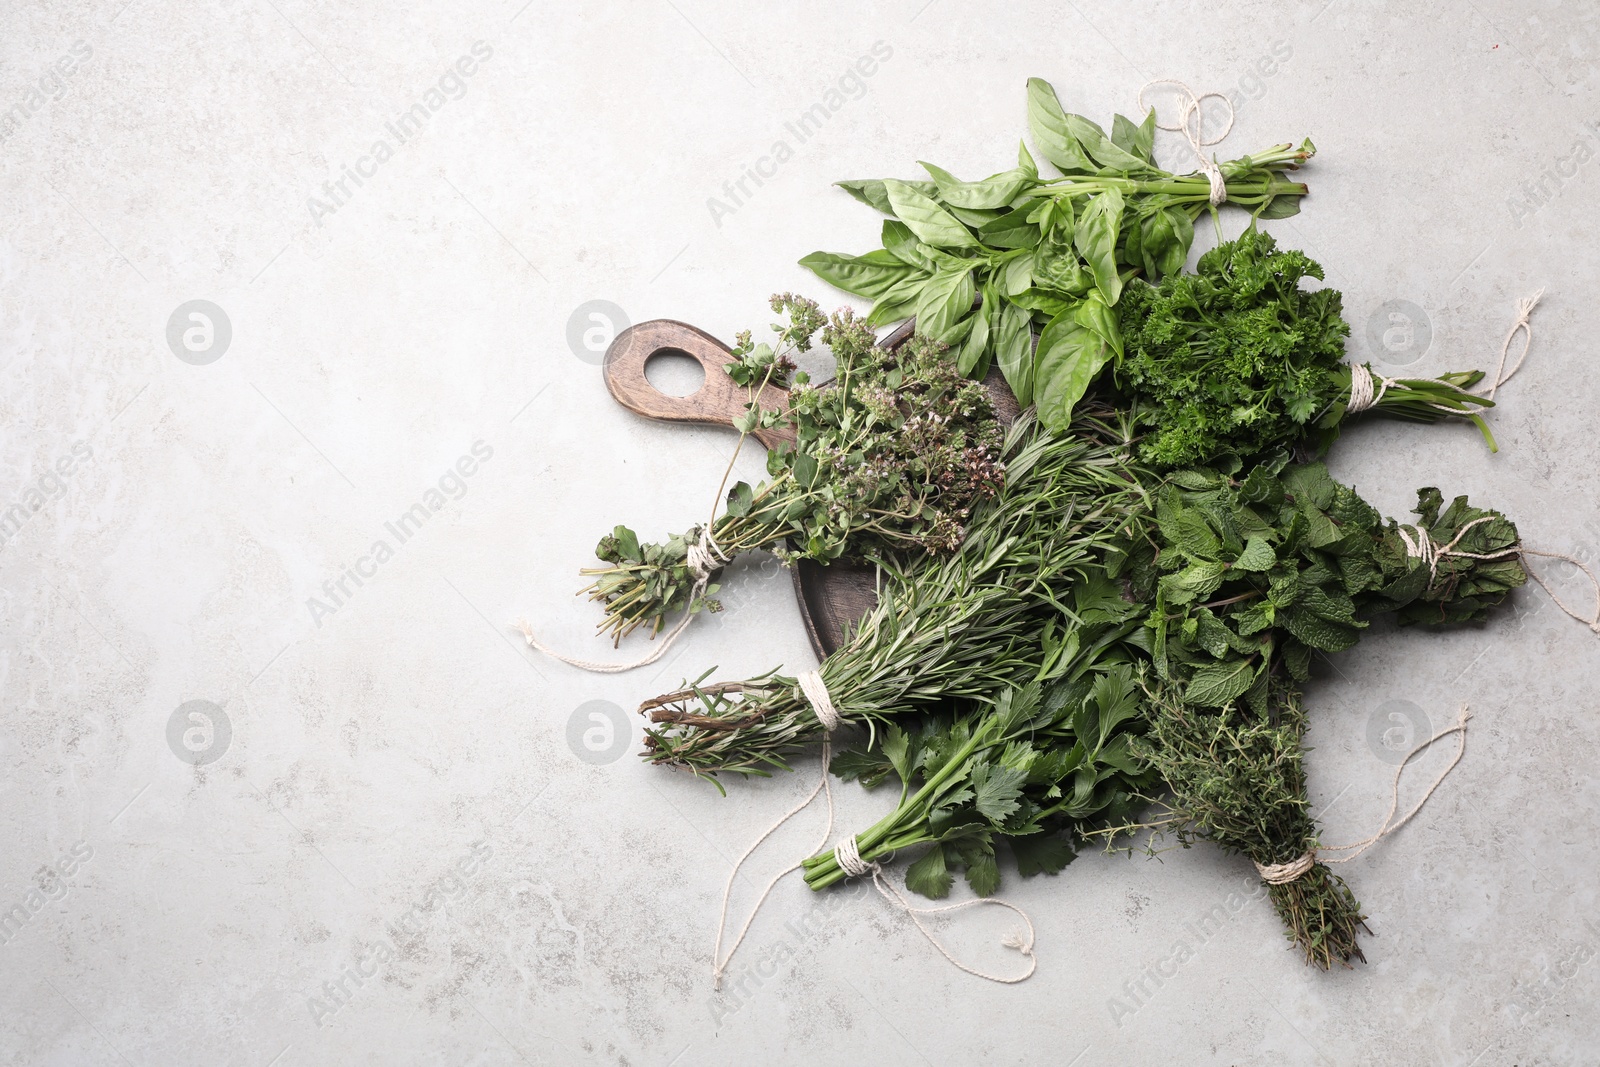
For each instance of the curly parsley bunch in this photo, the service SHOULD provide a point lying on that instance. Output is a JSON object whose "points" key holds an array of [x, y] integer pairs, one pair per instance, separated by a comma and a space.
{"points": [[1238, 359]]}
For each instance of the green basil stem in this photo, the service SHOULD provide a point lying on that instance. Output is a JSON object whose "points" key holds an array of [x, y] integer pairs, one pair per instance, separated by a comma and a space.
{"points": [[1424, 400]]}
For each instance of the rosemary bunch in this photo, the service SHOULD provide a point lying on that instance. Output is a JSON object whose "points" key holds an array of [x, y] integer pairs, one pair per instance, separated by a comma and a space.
{"points": [[890, 457], [968, 625]]}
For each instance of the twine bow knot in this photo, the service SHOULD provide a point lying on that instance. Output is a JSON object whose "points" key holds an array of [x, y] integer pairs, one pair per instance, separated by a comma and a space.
{"points": [[1196, 135]]}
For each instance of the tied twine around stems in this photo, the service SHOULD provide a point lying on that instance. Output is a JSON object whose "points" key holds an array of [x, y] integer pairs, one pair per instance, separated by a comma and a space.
{"points": [[702, 557], [1363, 396], [1293, 870], [816, 694], [1428, 550], [847, 855], [1196, 136]]}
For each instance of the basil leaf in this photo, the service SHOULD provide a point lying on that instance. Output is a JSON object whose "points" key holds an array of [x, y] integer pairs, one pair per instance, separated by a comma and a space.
{"points": [[856, 274], [1051, 304], [1015, 270], [903, 244], [944, 302], [1013, 351], [870, 191], [899, 301], [1094, 316], [1068, 359], [1097, 144], [1025, 161], [1056, 265], [1096, 241], [1048, 123], [1011, 230], [1165, 237], [997, 190], [972, 217], [976, 346], [1137, 140], [930, 222]]}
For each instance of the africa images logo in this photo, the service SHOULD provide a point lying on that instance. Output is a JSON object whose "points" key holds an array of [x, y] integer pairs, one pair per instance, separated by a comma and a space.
{"points": [[452, 85]]}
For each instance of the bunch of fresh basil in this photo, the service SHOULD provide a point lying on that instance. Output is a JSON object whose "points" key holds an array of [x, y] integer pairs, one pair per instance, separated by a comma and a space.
{"points": [[983, 265]]}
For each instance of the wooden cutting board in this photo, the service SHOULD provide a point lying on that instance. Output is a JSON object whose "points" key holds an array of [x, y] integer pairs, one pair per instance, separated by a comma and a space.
{"points": [[831, 597]]}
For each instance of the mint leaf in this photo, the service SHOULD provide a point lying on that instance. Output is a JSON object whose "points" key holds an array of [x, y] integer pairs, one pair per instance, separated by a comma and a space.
{"points": [[1214, 686], [1257, 556]]}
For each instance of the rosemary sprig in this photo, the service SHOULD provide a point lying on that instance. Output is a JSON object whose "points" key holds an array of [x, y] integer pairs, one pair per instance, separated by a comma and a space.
{"points": [[966, 626]]}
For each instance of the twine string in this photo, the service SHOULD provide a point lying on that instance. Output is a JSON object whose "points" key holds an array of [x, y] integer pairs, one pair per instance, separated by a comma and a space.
{"points": [[816, 693], [1525, 308], [703, 557], [1423, 547], [1284, 873], [1593, 621], [847, 854], [1195, 135], [1363, 396]]}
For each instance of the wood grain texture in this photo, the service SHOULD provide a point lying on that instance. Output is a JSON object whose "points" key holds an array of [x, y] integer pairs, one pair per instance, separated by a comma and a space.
{"points": [[716, 403], [832, 597]]}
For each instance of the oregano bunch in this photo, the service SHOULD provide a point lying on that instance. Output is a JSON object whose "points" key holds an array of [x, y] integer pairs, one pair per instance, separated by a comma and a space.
{"points": [[890, 456]]}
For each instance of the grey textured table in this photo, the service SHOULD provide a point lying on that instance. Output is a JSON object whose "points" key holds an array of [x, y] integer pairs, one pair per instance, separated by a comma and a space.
{"points": [[316, 502]]}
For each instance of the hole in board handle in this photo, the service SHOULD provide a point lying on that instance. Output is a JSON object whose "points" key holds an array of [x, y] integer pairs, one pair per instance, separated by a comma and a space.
{"points": [[674, 372]]}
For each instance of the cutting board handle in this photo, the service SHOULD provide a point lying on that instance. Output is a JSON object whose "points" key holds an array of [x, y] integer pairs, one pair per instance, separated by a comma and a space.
{"points": [[716, 403]]}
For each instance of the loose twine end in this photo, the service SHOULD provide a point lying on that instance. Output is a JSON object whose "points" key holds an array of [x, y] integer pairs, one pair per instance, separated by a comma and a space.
{"points": [[847, 853], [1295, 869], [1196, 136], [703, 558], [1367, 390]]}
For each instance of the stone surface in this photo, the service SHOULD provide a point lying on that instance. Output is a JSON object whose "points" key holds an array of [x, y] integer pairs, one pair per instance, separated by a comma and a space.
{"points": [[392, 833]]}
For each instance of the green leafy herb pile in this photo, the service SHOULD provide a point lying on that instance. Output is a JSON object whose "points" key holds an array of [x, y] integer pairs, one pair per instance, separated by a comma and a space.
{"points": [[890, 456], [1239, 359], [1246, 578], [1113, 602], [967, 625], [1046, 763], [1047, 252]]}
